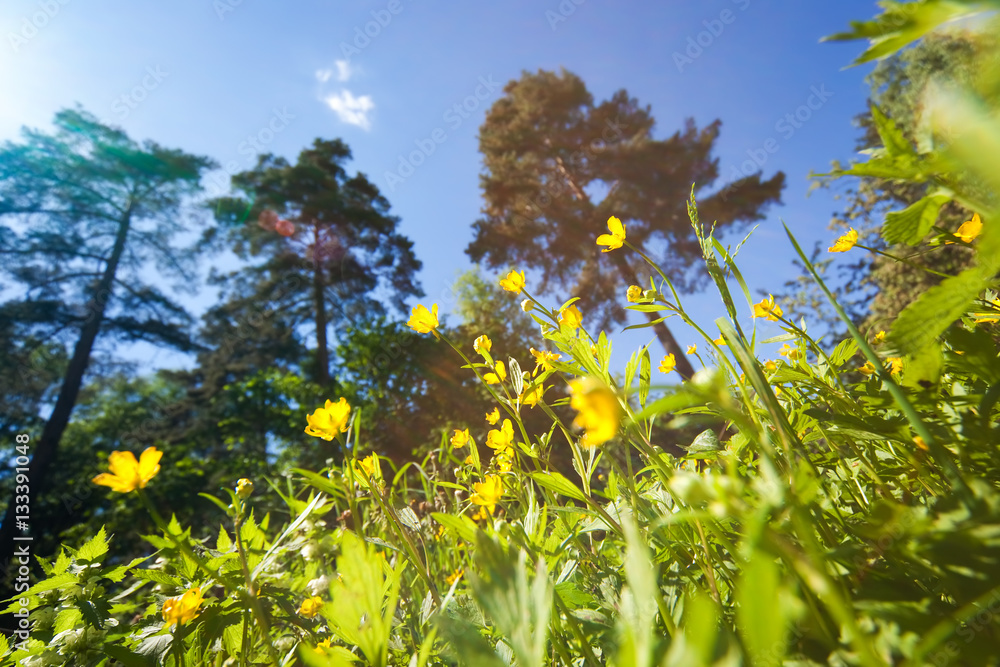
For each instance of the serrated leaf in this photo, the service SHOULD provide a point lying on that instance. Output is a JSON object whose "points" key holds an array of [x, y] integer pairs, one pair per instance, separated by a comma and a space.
{"points": [[223, 542], [893, 139], [158, 576], [96, 547], [846, 349], [911, 224], [67, 619], [920, 323], [51, 584]]}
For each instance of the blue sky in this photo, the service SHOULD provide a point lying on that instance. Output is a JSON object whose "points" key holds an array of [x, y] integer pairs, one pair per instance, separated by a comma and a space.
{"points": [[226, 77]]}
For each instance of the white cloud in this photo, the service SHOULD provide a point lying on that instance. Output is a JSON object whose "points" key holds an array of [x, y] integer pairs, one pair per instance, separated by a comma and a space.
{"points": [[350, 109], [323, 75], [344, 70]]}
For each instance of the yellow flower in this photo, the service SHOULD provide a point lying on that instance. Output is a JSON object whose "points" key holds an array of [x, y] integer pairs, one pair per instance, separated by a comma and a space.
{"points": [[244, 488], [543, 360], [593, 349], [570, 317], [487, 493], [513, 282], [920, 443], [453, 577], [504, 437], [499, 376], [370, 467], [423, 320], [182, 608], [598, 411], [770, 366], [311, 606], [668, 364], [492, 417], [482, 345], [469, 460], [504, 460], [845, 242], [895, 365], [616, 238], [867, 369], [460, 439], [322, 646], [792, 353], [329, 420], [692, 349], [777, 390], [527, 306], [634, 294], [720, 340], [531, 396], [969, 229], [768, 309], [127, 474], [879, 337], [986, 318]]}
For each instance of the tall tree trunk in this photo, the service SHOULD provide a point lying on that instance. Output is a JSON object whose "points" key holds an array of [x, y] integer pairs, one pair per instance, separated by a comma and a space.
{"points": [[319, 301], [44, 449], [666, 338]]}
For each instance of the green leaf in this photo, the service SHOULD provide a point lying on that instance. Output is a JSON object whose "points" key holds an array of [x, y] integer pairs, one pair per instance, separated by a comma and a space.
{"points": [[706, 441], [762, 623], [127, 657], [911, 224], [645, 375], [462, 525], [924, 369], [557, 482], [920, 323], [846, 349], [224, 542], [893, 139], [95, 548], [51, 584]]}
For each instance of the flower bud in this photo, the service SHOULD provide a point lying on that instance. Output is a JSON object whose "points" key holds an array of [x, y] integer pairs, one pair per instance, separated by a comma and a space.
{"points": [[244, 488], [527, 306]]}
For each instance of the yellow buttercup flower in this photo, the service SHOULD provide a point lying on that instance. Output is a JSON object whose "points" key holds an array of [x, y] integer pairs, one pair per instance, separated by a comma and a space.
{"points": [[987, 318], [183, 608], [504, 460], [599, 413], [879, 337], [543, 360], [328, 421], [570, 317], [322, 646], [530, 397], [616, 238], [423, 320], [768, 309], [867, 369], [488, 492], [720, 340], [770, 366], [792, 353], [453, 577], [668, 364], [370, 467], [492, 417], [920, 443], [469, 460], [969, 229], [895, 365], [311, 606], [504, 437], [845, 242], [482, 345], [244, 488], [499, 376], [634, 294], [127, 474], [513, 282], [692, 349], [460, 439]]}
